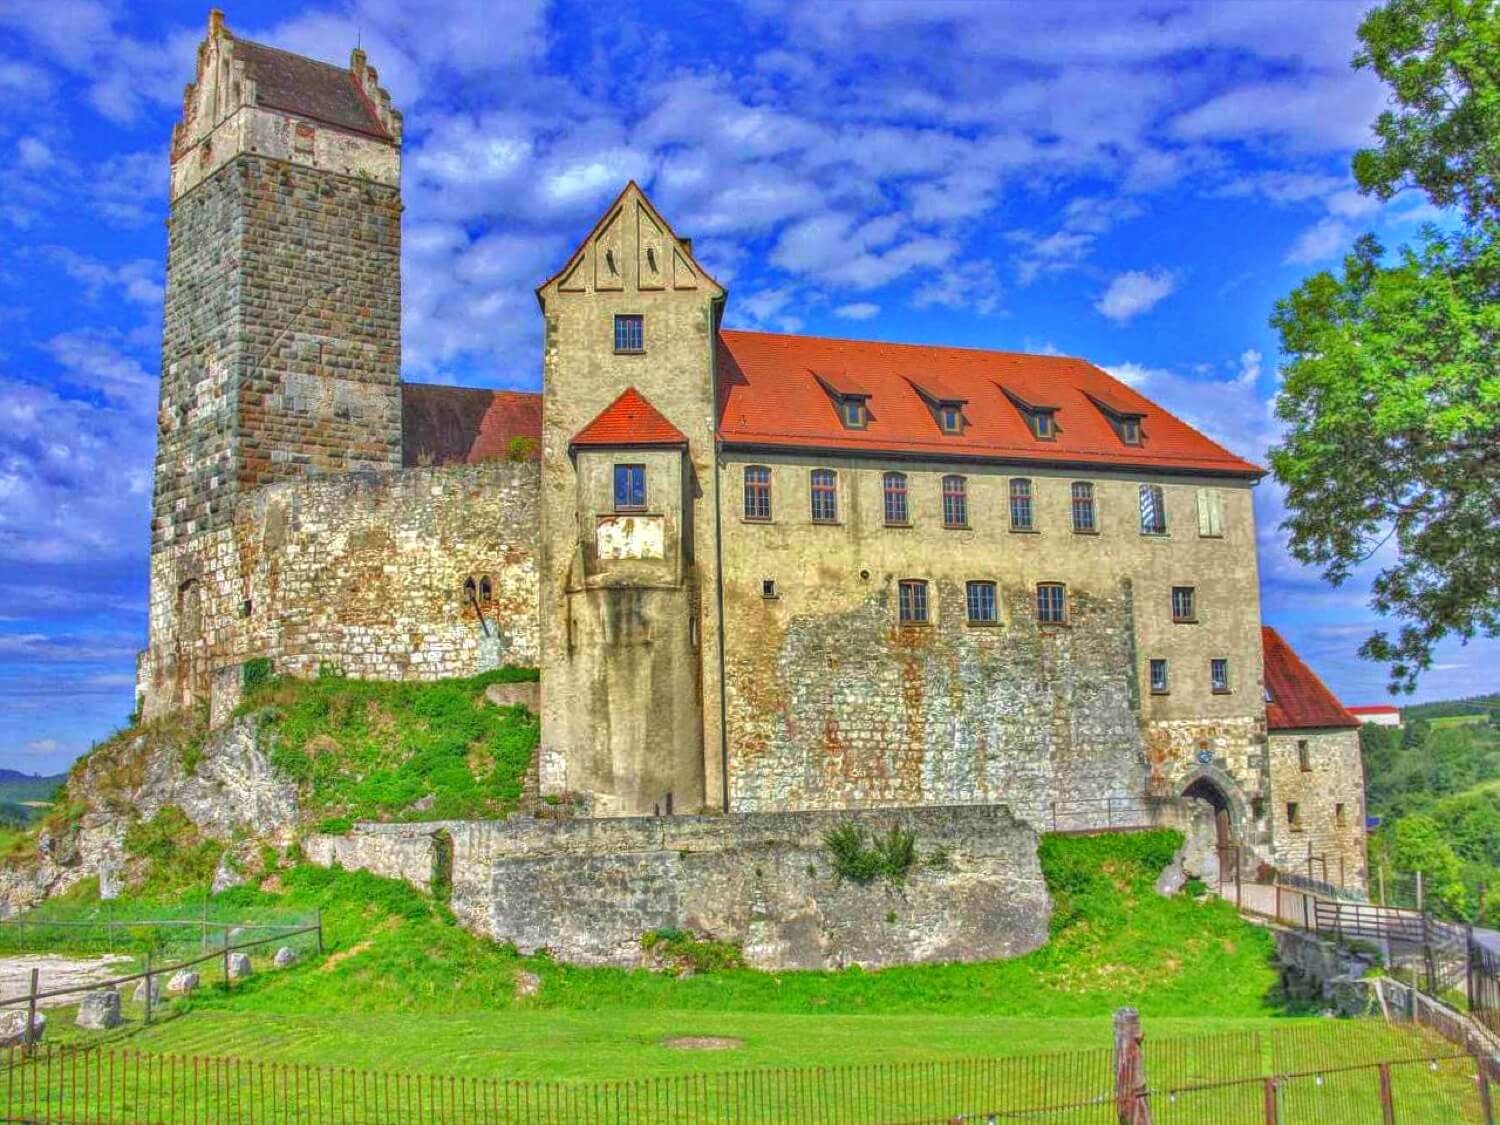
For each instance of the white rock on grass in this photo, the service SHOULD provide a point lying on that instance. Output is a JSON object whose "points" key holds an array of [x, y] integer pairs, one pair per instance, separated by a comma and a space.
{"points": [[100, 1010], [239, 965], [527, 984], [183, 981], [13, 1028], [285, 956], [140, 990]]}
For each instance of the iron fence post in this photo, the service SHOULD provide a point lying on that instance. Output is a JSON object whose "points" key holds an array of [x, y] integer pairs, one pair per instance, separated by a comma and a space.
{"points": [[1387, 1107], [1270, 1101]]}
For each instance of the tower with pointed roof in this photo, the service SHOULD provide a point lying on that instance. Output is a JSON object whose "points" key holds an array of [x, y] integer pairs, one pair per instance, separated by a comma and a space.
{"points": [[281, 346]]}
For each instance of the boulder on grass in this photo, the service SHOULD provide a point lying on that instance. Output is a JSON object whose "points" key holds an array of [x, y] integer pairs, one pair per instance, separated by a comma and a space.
{"points": [[527, 984], [13, 1028], [100, 1010], [285, 956], [239, 966], [140, 990], [183, 981]]}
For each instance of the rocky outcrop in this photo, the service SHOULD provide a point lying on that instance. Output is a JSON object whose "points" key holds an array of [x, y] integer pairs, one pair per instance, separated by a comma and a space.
{"points": [[100, 1010]]}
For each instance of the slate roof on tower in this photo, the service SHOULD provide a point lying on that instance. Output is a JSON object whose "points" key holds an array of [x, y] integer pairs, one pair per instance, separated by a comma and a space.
{"points": [[780, 390], [465, 425], [629, 420], [1296, 698], [308, 88]]}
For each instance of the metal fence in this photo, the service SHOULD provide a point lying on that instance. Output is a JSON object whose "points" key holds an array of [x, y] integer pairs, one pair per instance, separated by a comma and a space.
{"points": [[1281, 1077]]}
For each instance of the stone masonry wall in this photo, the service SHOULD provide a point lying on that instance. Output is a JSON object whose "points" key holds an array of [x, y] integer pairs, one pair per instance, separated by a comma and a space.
{"points": [[589, 889], [365, 573], [1330, 799]]}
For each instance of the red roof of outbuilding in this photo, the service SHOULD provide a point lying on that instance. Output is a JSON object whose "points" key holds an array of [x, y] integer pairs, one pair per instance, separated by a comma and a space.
{"points": [[1298, 700], [1374, 709], [771, 396], [463, 425], [630, 420]]}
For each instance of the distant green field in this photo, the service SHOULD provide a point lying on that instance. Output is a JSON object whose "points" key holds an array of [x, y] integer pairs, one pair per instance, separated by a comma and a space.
{"points": [[1459, 720]]}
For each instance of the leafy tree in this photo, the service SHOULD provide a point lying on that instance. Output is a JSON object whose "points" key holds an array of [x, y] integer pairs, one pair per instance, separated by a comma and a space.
{"points": [[1391, 395], [1417, 844]]}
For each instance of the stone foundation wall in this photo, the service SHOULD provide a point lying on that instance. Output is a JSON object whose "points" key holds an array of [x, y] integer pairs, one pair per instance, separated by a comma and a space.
{"points": [[589, 889], [364, 573]]}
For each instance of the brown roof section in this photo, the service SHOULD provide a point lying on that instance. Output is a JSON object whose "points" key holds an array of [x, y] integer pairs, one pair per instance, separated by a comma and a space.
{"points": [[308, 88], [464, 425], [1297, 699], [630, 420], [770, 395]]}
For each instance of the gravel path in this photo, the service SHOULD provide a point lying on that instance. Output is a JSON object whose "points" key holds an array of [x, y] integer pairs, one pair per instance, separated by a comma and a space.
{"points": [[58, 972]]}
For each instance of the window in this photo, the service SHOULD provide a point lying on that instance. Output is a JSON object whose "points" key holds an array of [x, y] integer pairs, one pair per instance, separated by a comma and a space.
{"points": [[1183, 607], [1158, 677], [955, 502], [825, 496], [1210, 513], [1258, 807], [1130, 431], [982, 608], [950, 418], [1304, 756], [1294, 816], [1042, 426], [1083, 507], [630, 334], [630, 488], [1020, 505], [895, 499], [471, 590], [852, 411], [768, 587], [1218, 675], [486, 590], [913, 594], [1052, 603], [1338, 814], [757, 492], [1153, 510]]}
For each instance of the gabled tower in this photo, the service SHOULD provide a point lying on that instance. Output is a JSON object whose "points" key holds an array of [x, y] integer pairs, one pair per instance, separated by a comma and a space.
{"points": [[629, 573], [281, 348]]}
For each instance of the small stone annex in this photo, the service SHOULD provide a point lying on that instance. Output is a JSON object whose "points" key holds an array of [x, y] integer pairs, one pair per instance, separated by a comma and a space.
{"points": [[759, 573]]}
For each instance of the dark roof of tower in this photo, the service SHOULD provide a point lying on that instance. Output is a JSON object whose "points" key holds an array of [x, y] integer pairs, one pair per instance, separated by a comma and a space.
{"points": [[465, 425], [1296, 698], [308, 88]]}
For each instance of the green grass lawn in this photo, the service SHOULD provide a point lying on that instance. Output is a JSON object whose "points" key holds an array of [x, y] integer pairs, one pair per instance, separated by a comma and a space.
{"points": [[1458, 720]]}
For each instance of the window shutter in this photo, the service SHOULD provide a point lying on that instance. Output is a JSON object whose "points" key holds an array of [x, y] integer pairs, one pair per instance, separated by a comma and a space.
{"points": [[1210, 512]]}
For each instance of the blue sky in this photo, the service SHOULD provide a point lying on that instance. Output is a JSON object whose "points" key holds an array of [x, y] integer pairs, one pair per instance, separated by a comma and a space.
{"points": [[1132, 182]]}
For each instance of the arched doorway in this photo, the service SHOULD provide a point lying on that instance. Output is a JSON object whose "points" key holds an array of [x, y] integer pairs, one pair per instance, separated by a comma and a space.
{"points": [[1206, 790]]}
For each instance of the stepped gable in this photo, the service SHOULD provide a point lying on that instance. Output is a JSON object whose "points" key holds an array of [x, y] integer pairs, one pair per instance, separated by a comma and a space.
{"points": [[1296, 698], [783, 391], [629, 420], [466, 425]]}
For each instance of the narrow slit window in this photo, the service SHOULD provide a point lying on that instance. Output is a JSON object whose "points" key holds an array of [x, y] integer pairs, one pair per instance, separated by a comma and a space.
{"points": [[768, 588], [1153, 510], [1294, 816], [630, 333], [1159, 677], [825, 496], [1052, 603], [896, 510], [1084, 517], [486, 590], [955, 502], [913, 601], [1021, 515], [630, 488], [757, 492], [1338, 814], [1304, 756], [982, 605]]}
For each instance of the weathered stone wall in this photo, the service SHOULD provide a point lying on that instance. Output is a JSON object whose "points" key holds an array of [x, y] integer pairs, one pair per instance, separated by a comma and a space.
{"points": [[589, 889], [365, 573], [1330, 799], [832, 701]]}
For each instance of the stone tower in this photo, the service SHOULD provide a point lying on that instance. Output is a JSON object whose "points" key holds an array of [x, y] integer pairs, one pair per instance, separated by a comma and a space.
{"points": [[281, 348], [628, 599]]}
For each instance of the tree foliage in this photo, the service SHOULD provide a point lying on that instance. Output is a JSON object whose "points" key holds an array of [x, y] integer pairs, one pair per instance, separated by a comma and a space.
{"points": [[1390, 395]]}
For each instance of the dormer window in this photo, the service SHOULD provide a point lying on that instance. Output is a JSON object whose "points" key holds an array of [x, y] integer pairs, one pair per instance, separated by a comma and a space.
{"points": [[852, 412], [1042, 426], [1130, 431], [950, 418], [850, 397], [1125, 419], [1040, 419]]}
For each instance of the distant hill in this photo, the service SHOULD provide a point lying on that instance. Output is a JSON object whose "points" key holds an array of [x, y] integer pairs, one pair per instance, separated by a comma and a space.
{"points": [[1481, 705], [16, 787]]}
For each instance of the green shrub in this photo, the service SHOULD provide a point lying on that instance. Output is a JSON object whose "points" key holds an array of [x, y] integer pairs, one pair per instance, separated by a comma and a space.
{"points": [[255, 673], [336, 826], [862, 860], [681, 950]]}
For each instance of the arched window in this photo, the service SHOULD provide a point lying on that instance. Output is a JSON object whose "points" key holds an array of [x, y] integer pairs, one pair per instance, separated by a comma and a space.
{"points": [[896, 511], [757, 492], [486, 590], [471, 589], [825, 496], [955, 502]]}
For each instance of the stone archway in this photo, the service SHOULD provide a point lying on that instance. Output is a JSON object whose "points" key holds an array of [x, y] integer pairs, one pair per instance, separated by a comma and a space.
{"points": [[1220, 848]]}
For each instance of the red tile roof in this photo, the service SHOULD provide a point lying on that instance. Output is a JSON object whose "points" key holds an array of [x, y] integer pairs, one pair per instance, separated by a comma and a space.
{"points": [[630, 420], [463, 425], [769, 396], [308, 88], [1298, 700], [1374, 709]]}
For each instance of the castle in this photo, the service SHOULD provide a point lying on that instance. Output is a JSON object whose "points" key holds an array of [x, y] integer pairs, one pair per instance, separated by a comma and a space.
{"points": [[758, 572]]}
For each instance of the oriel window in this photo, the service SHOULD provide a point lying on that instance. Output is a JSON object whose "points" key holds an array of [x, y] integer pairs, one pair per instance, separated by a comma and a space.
{"points": [[630, 488]]}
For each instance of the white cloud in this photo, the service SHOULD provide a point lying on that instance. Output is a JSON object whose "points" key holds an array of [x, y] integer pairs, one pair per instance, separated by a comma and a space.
{"points": [[858, 310], [1134, 374], [1134, 292], [1250, 367], [41, 746], [1319, 242]]}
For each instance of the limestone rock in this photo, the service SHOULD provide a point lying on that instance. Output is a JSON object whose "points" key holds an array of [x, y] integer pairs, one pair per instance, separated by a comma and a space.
{"points": [[140, 990], [527, 984], [285, 956], [13, 1028], [100, 1010], [183, 981], [226, 875], [239, 966], [528, 694]]}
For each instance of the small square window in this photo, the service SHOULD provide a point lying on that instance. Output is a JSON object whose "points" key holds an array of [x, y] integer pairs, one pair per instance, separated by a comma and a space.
{"points": [[852, 411], [913, 599], [982, 605], [1258, 807], [1052, 603], [1338, 814], [950, 418], [768, 587], [1184, 604], [1042, 426], [1158, 677], [630, 333], [1294, 816], [1130, 431], [1218, 675], [630, 488]]}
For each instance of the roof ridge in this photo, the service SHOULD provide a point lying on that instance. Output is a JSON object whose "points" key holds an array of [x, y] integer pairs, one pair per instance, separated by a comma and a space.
{"points": [[241, 40], [901, 344], [631, 419]]}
